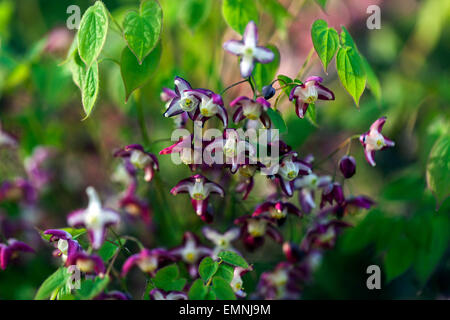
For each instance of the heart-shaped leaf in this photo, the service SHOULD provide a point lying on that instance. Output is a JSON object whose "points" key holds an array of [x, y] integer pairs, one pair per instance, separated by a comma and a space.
{"points": [[238, 13], [142, 29], [92, 33], [325, 41], [89, 88]]}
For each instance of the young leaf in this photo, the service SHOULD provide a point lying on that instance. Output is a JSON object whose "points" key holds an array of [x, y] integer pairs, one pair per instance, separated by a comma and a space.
{"points": [[238, 13], [207, 268], [54, 282], [89, 88], [351, 72], [91, 288], [311, 114], [325, 41], [265, 73], [222, 289], [438, 169], [225, 271], [167, 279], [142, 29], [198, 290], [195, 12], [233, 258], [277, 120], [135, 75], [92, 33]]}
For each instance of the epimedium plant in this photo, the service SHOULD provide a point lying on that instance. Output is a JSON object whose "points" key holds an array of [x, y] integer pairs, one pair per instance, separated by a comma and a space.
{"points": [[193, 270]]}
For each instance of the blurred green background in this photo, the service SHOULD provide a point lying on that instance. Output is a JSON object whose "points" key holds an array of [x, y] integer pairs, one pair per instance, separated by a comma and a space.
{"points": [[406, 234]]}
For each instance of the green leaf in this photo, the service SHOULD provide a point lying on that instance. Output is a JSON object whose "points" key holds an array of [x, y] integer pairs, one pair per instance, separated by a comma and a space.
{"points": [[78, 68], [211, 295], [311, 114], [167, 279], [238, 13], [277, 120], [108, 250], [207, 268], [351, 72], [233, 258], [265, 73], [278, 12], [198, 290], [438, 169], [222, 289], [142, 29], [399, 257], [226, 272], [372, 80], [92, 33], [135, 75], [195, 12], [322, 3], [54, 282], [91, 288], [89, 88], [325, 41]]}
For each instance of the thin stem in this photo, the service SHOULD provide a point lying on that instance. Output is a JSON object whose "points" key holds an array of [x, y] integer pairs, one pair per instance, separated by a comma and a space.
{"points": [[342, 145], [249, 79], [135, 240], [115, 23], [233, 85], [140, 115], [305, 64]]}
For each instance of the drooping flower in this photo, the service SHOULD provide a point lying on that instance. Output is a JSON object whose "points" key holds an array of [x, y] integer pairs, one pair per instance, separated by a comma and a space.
{"points": [[149, 261], [87, 263], [307, 93], [65, 245], [373, 140], [140, 159], [254, 229], [134, 206], [34, 165], [94, 218], [323, 235], [184, 101], [199, 189], [18, 190], [248, 50], [276, 210], [234, 148], [191, 252], [237, 282], [251, 109], [308, 185], [10, 250], [211, 104], [332, 193], [348, 205], [157, 294], [347, 165], [290, 168], [221, 241], [167, 95]]}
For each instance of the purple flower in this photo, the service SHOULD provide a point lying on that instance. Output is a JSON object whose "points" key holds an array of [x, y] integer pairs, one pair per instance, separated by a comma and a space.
{"points": [[308, 185], [66, 247], [289, 169], [237, 283], [9, 251], [167, 95], [281, 283], [236, 150], [149, 261], [307, 93], [349, 205], [347, 165], [254, 229], [332, 193], [157, 294], [19, 189], [134, 206], [276, 210], [140, 159], [211, 104], [251, 109], [183, 101], [373, 140], [34, 167], [221, 241], [199, 189], [87, 263], [94, 218], [191, 252], [323, 235], [248, 50]]}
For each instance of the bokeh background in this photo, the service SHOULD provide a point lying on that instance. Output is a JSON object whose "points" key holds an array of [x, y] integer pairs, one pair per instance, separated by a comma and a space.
{"points": [[406, 234]]}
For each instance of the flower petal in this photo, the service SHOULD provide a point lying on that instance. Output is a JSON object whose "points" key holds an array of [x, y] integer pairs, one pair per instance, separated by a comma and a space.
{"points": [[250, 37], [263, 55], [246, 66], [234, 47]]}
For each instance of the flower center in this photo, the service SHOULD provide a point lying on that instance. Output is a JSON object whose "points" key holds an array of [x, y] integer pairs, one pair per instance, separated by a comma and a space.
{"points": [[257, 228], [148, 265], [188, 103], [85, 265], [288, 170], [252, 111], [139, 159], [375, 140], [190, 257], [277, 213]]}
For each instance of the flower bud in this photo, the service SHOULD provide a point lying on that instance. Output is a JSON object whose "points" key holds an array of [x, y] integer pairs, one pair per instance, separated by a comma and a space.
{"points": [[268, 92], [347, 165]]}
